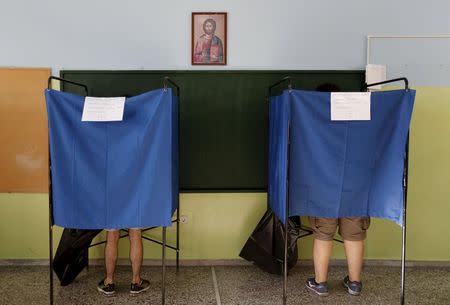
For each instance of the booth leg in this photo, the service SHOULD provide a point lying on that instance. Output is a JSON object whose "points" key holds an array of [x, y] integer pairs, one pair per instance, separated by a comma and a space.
{"points": [[402, 298], [285, 264], [163, 284], [178, 239], [50, 241]]}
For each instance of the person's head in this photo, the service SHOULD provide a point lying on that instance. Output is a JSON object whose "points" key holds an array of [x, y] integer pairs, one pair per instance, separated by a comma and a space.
{"points": [[328, 87], [209, 26]]}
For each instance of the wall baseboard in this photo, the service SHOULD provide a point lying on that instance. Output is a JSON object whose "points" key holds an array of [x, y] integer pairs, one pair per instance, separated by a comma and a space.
{"points": [[227, 262]]}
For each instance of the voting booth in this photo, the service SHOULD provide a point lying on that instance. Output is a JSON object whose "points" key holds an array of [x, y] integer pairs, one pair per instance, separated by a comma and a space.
{"points": [[340, 154], [114, 162]]}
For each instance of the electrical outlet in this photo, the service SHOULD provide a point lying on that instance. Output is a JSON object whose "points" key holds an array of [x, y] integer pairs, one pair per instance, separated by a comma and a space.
{"points": [[184, 219]]}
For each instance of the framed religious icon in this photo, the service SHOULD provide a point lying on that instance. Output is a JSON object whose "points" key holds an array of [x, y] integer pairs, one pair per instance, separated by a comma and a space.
{"points": [[209, 38]]}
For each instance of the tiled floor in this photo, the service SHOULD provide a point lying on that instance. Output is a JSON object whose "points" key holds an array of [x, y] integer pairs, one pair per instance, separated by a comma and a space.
{"points": [[28, 285]]}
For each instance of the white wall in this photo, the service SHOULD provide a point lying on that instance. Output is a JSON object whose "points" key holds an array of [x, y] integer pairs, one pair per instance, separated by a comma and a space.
{"points": [[146, 34]]}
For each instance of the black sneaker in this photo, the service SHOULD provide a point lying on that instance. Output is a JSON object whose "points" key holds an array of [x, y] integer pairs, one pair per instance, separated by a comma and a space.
{"points": [[354, 288], [320, 289], [107, 289], [139, 287]]}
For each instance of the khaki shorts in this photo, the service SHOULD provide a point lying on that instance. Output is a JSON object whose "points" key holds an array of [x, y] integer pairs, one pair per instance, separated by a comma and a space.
{"points": [[350, 228]]}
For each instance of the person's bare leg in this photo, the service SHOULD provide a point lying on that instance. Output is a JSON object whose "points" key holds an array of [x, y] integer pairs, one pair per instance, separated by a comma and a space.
{"points": [[136, 254], [112, 240], [354, 251], [321, 254]]}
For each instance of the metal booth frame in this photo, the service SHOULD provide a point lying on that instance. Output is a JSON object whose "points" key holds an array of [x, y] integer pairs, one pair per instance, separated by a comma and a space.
{"points": [[308, 231], [166, 82]]}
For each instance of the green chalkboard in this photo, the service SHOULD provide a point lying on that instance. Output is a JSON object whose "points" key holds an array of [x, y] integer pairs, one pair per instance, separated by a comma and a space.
{"points": [[223, 117]]}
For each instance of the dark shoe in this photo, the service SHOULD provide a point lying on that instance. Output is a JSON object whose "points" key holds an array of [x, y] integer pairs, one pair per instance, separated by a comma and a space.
{"points": [[139, 287], [354, 288], [320, 289], [107, 289]]}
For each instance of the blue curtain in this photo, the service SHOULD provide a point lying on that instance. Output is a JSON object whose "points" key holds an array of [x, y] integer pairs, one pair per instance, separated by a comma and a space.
{"points": [[278, 152], [347, 168], [114, 174]]}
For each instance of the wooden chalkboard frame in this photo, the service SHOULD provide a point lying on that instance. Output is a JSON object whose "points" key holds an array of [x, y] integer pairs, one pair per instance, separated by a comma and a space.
{"points": [[223, 117]]}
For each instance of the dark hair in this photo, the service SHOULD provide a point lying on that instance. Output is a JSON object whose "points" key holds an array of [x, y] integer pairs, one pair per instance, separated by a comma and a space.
{"points": [[328, 87], [212, 21]]}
